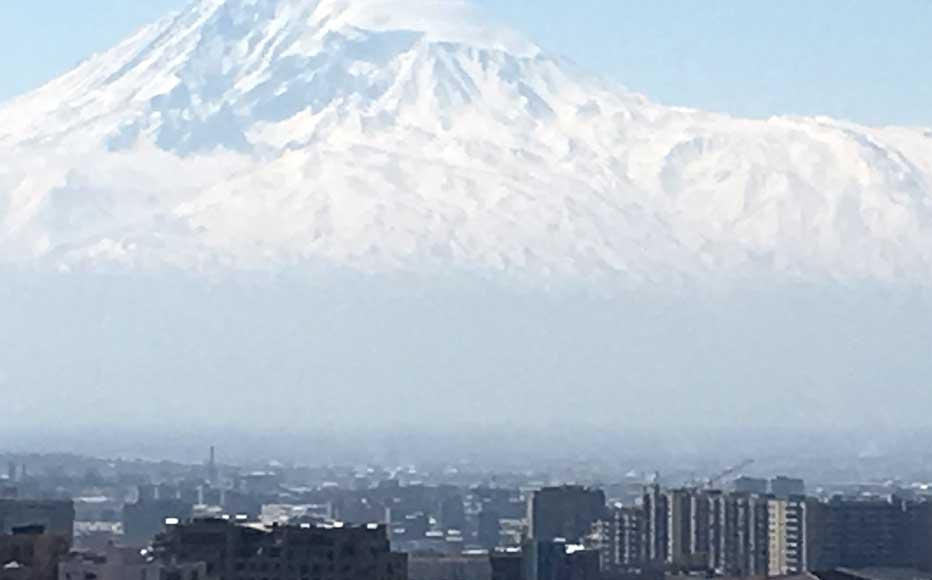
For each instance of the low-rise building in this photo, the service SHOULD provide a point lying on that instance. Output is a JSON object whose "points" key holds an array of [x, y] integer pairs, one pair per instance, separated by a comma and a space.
{"points": [[554, 560], [466, 566], [53, 516], [236, 551], [31, 553], [127, 564]]}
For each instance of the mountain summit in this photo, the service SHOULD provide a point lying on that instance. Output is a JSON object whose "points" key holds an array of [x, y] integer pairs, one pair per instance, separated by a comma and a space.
{"points": [[205, 77], [413, 135]]}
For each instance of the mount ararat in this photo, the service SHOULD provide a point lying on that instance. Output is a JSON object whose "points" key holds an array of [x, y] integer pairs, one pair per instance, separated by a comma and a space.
{"points": [[413, 135], [359, 216]]}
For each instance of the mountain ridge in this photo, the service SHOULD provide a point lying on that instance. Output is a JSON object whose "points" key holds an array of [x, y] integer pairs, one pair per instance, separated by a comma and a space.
{"points": [[248, 134]]}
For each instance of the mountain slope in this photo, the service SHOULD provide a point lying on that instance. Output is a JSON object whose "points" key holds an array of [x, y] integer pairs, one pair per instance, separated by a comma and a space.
{"points": [[389, 135]]}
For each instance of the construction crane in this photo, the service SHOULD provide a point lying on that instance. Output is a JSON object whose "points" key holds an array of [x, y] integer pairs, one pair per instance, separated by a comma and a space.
{"points": [[718, 478]]}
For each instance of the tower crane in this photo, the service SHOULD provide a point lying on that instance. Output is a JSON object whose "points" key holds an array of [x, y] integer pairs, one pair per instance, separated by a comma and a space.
{"points": [[718, 478]]}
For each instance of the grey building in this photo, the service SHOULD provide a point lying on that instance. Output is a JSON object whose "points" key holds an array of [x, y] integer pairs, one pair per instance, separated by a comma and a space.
{"points": [[126, 564], [558, 561], [244, 552], [507, 564], [143, 520], [787, 487], [489, 529], [31, 553], [868, 532], [656, 520], [54, 516], [745, 541], [752, 485], [619, 539], [567, 512]]}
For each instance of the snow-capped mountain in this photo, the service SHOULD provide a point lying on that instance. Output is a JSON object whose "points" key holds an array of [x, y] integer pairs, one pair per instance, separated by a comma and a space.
{"points": [[414, 135]]}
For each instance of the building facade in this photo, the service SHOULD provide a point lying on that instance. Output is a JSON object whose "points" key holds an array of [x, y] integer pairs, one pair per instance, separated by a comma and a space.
{"points": [[249, 552], [31, 553], [858, 533], [786, 487], [656, 540], [54, 516], [706, 531], [126, 564], [787, 531], [143, 520], [564, 513]]}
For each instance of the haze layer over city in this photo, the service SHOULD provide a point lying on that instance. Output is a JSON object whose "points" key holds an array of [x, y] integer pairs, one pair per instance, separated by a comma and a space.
{"points": [[316, 230]]}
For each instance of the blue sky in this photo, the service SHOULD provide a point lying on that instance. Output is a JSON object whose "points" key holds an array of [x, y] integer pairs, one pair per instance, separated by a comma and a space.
{"points": [[865, 60]]}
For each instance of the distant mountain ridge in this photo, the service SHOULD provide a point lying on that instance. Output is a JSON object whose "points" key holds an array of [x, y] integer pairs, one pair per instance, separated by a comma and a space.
{"points": [[404, 135]]}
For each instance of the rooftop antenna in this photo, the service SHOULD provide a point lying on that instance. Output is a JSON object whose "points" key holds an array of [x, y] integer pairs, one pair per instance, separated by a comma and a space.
{"points": [[212, 465]]}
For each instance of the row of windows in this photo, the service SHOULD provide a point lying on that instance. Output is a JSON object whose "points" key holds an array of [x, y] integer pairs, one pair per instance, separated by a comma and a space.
{"points": [[266, 567], [389, 572]]}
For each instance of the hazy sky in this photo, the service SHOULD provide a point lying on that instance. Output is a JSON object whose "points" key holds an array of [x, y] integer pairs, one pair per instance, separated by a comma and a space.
{"points": [[856, 59]]}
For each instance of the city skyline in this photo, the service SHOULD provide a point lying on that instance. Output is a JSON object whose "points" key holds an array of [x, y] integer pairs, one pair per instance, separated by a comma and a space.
{"points": [[68, 517]]}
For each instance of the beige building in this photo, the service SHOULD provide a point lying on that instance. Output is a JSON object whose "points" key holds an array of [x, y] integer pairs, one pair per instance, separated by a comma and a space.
{"points": [[778, 538], [787, 532]]}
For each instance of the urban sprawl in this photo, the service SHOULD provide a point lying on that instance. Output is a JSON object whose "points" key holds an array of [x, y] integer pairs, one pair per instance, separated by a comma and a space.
{"points": [[67, 519]]}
